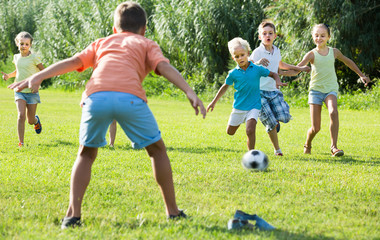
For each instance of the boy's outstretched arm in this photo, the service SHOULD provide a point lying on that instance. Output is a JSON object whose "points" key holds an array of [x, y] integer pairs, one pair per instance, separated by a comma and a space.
{"points": [[286, 66], [59, 68], [173, 76], [349, 63], [277, 79], [221, 92]]}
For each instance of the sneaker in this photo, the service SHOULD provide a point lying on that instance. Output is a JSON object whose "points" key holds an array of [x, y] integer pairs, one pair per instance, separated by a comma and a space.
{"points": [[279, 154], [20, 144], [70, 222], [239, 224], [181, 214], [260, 224], [38, 126], [278, 126]]}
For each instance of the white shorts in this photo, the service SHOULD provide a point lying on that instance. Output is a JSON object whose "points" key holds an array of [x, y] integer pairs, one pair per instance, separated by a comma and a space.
{"points": [[238, 117]]}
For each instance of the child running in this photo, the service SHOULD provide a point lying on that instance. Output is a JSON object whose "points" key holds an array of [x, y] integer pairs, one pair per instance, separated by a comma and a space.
{"points": [[324, 86], [274, 109], [114, 92], [246, 80], [27, 63]]}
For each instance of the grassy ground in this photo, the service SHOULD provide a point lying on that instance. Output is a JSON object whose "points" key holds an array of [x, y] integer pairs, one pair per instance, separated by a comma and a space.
{"points": [[305, 197]]}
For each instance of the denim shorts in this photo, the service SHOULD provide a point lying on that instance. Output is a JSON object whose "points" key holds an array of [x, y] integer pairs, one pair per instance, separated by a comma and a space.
{"points": [[29, 98], [238, 117], [316, 97], [130, 111], [274, 109]]}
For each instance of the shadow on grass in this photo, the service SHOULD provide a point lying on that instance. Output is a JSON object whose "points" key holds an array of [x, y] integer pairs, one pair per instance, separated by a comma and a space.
{"points": [[201, 150], [277, 234], [347, 159]]}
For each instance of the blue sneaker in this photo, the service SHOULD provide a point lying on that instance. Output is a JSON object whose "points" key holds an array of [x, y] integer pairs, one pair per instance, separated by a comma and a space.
{"points": [[278, 126], [38, 126], [234, 224], [261, 224]]}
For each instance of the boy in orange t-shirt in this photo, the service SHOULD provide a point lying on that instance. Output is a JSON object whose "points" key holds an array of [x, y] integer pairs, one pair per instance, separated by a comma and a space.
{"points": [[120, 63]]}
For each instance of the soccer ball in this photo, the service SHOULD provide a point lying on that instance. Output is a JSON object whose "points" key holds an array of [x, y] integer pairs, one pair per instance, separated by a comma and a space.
{"points": [[255, 160]]}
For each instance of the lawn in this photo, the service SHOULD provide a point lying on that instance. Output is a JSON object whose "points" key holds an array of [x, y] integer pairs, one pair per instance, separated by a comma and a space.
{"points": [[304, 197]]}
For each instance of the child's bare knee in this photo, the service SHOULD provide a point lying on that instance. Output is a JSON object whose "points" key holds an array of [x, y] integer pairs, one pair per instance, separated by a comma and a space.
{"points": [[315, 129]]}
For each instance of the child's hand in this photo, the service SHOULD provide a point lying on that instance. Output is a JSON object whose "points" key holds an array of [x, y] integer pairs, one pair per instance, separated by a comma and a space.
{"points": [[264, 62], [5, 76], [280, 84], [211, 106], [196, 103], [365, 80]]}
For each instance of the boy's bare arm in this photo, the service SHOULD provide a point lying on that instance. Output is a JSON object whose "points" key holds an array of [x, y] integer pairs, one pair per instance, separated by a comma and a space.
{"points": [[173, 76], [277, 79], [221, 92], [59, 68], [286, 66]]}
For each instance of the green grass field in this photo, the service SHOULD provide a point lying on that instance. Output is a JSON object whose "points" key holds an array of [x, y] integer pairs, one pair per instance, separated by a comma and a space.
{"points": [[305, 197]]}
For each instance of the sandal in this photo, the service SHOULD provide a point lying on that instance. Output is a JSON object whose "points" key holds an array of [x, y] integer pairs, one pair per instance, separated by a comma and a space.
{"points": [[335, 152], [307, 149]]}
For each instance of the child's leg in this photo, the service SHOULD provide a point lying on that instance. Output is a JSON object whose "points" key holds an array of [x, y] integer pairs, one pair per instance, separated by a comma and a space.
{"points": [[21, 117], [315, 116], [332, 106], [163, 175], [274, 138], [112, 133], [231, 130], [251, 133], [80, 178], [31, 113]]}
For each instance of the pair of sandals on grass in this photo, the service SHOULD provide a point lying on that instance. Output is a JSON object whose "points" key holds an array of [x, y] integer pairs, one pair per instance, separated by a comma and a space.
{"points": [[335, 152]]}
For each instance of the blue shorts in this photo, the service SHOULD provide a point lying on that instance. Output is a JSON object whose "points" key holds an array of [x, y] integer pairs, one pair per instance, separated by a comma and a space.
{"points": [[316, 97], [29, 98], [274, 109], [131, 112]]}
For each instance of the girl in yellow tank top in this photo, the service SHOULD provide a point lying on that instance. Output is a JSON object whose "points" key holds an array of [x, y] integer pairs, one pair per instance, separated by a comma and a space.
{"points": [[324, 86]]}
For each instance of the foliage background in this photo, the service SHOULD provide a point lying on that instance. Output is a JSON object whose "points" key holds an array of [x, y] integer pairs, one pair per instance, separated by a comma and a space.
{"points": [[194, 34]]}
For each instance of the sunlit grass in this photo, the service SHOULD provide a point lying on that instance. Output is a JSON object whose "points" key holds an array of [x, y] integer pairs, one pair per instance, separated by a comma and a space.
{"points": [[305, 197]]}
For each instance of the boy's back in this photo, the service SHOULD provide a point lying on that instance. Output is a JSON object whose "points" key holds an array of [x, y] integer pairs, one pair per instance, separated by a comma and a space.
{"points": [[120, 61]]}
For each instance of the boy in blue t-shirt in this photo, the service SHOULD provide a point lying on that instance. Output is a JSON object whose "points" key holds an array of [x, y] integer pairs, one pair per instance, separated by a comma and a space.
{"points": [[246, 80]]}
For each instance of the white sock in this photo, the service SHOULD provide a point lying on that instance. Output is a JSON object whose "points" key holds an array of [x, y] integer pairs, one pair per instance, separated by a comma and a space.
{"points": [[278, 151]]}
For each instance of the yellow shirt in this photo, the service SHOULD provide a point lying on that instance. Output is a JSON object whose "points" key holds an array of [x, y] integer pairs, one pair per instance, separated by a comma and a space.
{"points": [[323, 76], [26, 67]]}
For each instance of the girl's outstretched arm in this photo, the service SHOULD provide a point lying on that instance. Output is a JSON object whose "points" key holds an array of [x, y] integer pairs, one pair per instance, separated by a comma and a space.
{"points": [[349, 63], [59, 68]]}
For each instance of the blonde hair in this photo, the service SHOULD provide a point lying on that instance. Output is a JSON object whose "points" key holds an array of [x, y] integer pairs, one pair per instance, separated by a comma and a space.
{"points": [[238, 42], [23, 35]]}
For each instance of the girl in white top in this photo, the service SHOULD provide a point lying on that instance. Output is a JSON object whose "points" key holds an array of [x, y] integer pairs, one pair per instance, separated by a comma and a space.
{"points": [[324, 86]]}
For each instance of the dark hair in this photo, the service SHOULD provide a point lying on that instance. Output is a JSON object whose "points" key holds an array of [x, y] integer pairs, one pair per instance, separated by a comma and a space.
{"points": [[129, 17], [327, 27], [23, 35], [267, 24]]}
